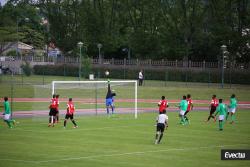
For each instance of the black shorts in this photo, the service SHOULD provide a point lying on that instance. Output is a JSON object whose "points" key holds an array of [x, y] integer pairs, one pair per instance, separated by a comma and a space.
{"points": [[212, 110], [71, 116], [160, 127], [57, 112], [52, 112]]}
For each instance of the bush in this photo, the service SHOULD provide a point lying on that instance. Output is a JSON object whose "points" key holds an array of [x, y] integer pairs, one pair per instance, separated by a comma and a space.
{"points": [[183, 75], [27, 69]]}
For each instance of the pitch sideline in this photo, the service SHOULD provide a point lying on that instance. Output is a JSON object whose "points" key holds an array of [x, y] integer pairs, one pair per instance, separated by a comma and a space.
{"points": [[122, 154]]}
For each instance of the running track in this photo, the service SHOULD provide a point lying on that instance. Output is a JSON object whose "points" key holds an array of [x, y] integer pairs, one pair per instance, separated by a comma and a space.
{"points": [[241, 105]]}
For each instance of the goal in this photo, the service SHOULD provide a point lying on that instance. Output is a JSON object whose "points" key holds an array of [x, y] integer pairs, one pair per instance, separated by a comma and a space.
{"points": [[90, 95]]}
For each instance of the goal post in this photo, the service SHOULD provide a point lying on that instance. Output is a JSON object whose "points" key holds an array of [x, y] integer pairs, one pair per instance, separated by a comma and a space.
{"points": [[96, 85]]}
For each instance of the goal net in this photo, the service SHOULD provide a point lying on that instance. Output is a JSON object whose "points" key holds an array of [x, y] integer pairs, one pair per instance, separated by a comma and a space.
{"points": [[89, 96]]}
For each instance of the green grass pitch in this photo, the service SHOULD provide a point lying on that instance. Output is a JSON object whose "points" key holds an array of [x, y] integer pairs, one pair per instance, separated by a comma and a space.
{"points": [[122, 141]]}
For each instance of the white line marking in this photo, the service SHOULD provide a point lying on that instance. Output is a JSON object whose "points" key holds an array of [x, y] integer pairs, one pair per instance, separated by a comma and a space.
{"points": [[123, 154]]}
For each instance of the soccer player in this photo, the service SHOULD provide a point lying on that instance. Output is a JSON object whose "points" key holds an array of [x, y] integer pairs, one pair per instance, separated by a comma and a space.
{"points": [[163, 104], [183, 108], [213, 105], [7, 113], [52, 112], [189, 108], [232, 108], [110, 99], [222, 110], [70, 113], [162, 123], [57, 109]]}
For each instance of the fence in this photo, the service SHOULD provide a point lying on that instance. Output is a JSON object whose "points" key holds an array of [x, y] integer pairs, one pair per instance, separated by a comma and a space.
{"points": [[148, 63]]}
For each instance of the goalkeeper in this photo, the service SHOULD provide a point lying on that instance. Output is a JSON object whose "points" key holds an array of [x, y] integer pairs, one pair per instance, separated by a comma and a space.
{"points": [[110, 99]]}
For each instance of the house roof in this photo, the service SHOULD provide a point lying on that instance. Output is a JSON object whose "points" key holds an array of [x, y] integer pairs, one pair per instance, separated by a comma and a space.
{"points": [[24, 46]]}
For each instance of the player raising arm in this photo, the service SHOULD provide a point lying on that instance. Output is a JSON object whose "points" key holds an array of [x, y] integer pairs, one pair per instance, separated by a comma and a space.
{"points": [[70, 113], [110, 99], [162, 123]]}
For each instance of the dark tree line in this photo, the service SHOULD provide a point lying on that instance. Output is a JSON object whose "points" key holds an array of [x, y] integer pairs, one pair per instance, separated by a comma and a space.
{"points": [[159, 29]]}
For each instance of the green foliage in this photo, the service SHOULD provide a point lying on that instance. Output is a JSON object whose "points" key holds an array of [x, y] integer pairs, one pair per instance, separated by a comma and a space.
{"points": [[86, 67], [162, 29], [27, 69], [12, 53], [182, 75]]}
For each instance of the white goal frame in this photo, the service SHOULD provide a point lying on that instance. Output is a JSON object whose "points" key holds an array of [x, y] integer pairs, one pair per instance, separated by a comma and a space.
{"points": [[82, 82]]}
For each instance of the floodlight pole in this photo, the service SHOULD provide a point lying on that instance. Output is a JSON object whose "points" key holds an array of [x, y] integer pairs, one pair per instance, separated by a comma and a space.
{"points": [[80, 59], [224, 50], [99, 45]]}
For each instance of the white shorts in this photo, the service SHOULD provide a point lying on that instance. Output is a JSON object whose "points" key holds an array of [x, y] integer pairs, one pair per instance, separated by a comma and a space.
{"points": [[6, 117], [221, 117], [232, 110], [182, 112]]}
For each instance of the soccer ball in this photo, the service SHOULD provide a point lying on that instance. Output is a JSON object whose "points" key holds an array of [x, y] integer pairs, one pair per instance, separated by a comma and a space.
{"points": [[106, 73]]}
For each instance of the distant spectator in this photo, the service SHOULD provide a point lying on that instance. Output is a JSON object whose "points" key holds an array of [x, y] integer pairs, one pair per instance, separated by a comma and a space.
{"points": [[140, 77]]}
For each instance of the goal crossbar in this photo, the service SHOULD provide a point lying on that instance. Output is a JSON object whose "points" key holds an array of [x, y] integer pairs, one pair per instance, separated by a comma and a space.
{"points": [[82, 82]]}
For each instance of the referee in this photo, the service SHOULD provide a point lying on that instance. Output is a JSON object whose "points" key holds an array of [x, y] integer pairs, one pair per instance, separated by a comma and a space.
{"points": [[162, 122]]}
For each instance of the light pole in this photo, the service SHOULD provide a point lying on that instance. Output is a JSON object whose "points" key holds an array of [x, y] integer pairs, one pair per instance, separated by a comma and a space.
{"points": [[80, 59], [224, 51], [99, 45], [17, 30]]}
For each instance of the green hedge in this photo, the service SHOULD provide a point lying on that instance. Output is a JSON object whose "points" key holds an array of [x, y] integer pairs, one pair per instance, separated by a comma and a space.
{"points": [[184, 75]]}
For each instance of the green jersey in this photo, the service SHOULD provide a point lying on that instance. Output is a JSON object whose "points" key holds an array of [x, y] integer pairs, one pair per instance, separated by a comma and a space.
{"points": [[233, 103], [7, 107], [221, 109], [183, 105]]}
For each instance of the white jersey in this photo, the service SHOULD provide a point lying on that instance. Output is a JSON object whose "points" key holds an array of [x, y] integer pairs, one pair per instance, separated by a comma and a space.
{"points": [[162, 118], [140, 75]]}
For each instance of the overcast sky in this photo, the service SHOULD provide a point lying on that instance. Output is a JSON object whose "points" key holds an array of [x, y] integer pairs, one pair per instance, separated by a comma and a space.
{"points": [[3, 2]]}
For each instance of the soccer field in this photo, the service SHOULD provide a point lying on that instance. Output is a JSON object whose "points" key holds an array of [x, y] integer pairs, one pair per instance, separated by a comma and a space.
{"points": [[119, 141], [122, 141]]}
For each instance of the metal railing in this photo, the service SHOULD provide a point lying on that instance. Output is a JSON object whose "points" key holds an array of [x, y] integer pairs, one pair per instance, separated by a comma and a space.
{"points": [[135, 62]]}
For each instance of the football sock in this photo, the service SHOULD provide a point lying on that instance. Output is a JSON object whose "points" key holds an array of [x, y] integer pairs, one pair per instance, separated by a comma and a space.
{"points": [[64, 123], [12, 121], [112, 109], [73, 121], [221, 124], [50, 119], [227, 116], [233, 117], [160, 137], [183, 119], [8, 123], [107, 110], [156, 136]]}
